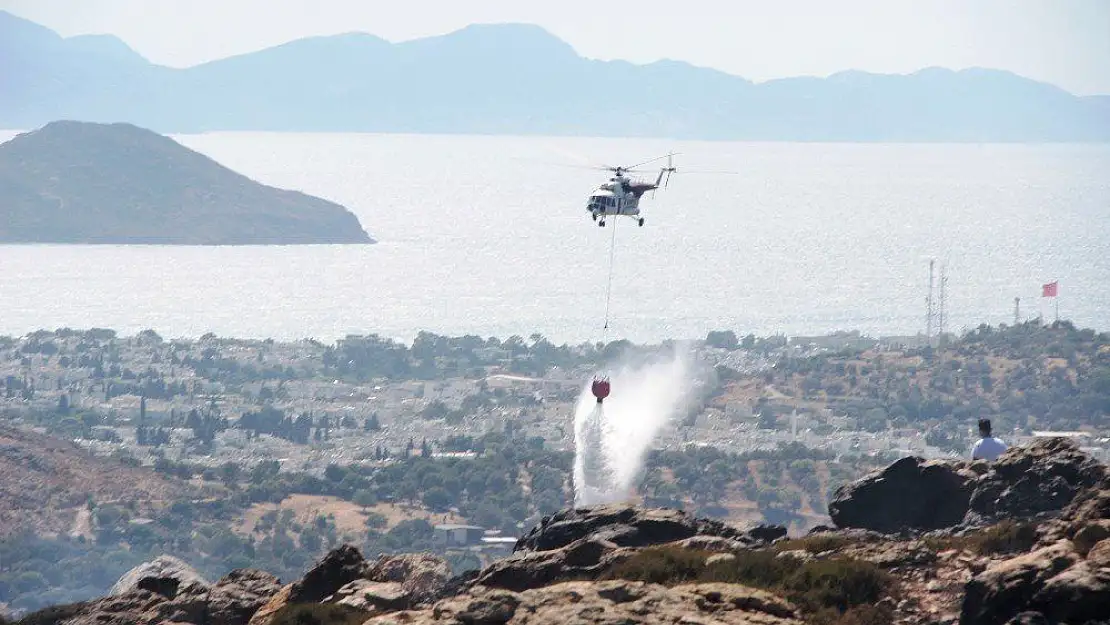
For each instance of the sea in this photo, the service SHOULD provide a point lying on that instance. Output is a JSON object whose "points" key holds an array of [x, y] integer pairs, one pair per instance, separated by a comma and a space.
{"points": [[489, 236]]}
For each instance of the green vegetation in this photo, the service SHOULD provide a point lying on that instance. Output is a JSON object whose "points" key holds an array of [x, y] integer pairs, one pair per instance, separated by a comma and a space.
{"points": [[509, 486], [1025, 376], [818, 543], [486, 490], [778, 481], [1006, 537], [826, 591], [1028, 375]]}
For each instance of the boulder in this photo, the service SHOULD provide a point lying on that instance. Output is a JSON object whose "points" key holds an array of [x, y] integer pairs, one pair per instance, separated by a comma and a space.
{"points": [[265, 614], [235, 598], [1099, 555], [423, 577], [1081, 594], [1089, 506], [165, 575], [338, 568], [373, 597], [910, 494], [711, 543], [1044, 476], [629, 526], [1007, 588], [133, 607], [617, 601], [585, 558]]}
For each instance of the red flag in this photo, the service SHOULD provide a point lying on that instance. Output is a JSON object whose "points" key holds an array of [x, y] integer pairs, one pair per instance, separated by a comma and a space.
{"points": [[1049, 290]]}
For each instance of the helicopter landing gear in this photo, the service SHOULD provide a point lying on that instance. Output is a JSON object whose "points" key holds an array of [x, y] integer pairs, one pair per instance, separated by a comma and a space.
{"points": [[641, 222], [601, 223]]}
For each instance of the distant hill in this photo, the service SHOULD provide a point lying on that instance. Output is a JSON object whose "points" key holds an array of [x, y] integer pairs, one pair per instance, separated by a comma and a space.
{"points": [[515, 79], [80, 182], [46, 484]]}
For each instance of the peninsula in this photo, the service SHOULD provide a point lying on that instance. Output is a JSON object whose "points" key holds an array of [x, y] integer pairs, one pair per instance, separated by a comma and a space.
{"points": [[80, 182]]}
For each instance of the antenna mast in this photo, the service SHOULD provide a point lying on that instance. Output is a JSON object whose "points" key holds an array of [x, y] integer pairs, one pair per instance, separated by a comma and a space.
{"points": [[942, 320], [929, 308]]}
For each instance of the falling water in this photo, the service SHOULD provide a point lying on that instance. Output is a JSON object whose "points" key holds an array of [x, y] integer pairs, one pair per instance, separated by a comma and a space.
{"points": [[611, 439]]}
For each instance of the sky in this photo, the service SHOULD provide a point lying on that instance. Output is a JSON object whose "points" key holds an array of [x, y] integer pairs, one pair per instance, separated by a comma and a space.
{"points": [[1063, 42]]}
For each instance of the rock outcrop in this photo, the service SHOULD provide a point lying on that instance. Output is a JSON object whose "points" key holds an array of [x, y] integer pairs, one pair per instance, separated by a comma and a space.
{"points": [[1048, 563], [344, 577], [615, 601], [164, 575], [917, 495], [1043, 477], [628, 526], [910, 494], [168, 591], [581, 543]]}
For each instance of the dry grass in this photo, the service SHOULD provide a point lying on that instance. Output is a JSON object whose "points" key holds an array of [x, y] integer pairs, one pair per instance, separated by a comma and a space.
{"points": [[47, 480], [349, 517]]}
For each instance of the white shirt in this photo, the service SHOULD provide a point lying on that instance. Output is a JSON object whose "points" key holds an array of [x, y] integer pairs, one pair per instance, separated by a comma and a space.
{"points": [[989, 448]]}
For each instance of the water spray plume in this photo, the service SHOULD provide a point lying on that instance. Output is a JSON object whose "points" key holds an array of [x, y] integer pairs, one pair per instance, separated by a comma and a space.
{"points": [[612, 438]]}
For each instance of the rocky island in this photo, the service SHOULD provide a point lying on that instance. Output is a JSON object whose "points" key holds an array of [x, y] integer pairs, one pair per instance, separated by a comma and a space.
{"points": [[78, 182]]}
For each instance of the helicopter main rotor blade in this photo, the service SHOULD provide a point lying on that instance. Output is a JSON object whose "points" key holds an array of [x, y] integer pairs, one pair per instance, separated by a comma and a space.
{"points": [[652, 160], [565, 165], [708, 171]]}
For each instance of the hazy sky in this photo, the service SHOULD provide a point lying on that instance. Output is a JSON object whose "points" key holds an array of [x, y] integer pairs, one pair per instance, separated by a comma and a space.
{"points": [[1065, 42]]}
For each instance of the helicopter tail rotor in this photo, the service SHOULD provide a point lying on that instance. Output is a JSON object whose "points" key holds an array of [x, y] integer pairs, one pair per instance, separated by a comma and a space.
{"points": [[665, 174]]}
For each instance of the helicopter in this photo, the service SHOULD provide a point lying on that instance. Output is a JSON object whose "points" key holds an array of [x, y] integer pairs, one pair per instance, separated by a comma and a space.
{"points": [[620, 196]]}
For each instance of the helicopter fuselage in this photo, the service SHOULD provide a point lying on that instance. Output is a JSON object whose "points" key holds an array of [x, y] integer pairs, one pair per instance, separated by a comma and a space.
{"points": [[618, 197]]}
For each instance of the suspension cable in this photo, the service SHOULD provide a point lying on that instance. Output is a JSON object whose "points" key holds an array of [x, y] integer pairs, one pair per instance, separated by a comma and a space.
{"points": [[609, 288]]}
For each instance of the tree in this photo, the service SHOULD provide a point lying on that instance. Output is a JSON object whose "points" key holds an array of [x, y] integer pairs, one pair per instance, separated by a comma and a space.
{"points": [[725, 339], [364, 499], [437, 499], [376, 520]]}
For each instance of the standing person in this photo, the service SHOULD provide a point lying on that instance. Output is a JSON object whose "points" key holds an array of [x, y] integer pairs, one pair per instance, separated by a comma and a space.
{"points": [[988, 447]]}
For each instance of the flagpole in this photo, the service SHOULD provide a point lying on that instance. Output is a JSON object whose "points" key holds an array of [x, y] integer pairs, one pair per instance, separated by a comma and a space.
{"points": [[1057, 300]]}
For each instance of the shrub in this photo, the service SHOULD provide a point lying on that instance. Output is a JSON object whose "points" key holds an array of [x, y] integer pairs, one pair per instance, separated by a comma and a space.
{"points": [[818, 543], [662, 566], [840, 584], [1006, 537], [834, 591]]}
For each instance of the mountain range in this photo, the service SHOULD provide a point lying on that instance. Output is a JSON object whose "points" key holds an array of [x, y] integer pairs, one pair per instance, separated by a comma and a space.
{"points": [[514, 79]]}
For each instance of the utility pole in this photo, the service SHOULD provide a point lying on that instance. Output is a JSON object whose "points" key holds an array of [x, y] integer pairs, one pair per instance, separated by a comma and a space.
{"points": [[1017, 311]]}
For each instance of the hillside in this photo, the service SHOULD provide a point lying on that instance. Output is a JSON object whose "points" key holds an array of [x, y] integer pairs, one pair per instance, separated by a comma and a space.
{"points": [[79, 182], [48, 484], [1026, 377], [516, 79], [1022, 540]]}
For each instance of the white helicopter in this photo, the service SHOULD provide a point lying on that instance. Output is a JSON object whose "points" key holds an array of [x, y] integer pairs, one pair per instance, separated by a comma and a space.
{"points": [[620, 196]]}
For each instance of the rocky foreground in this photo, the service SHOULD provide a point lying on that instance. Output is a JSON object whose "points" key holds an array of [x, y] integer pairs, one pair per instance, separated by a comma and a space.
{"points": [[1022, 541]]}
